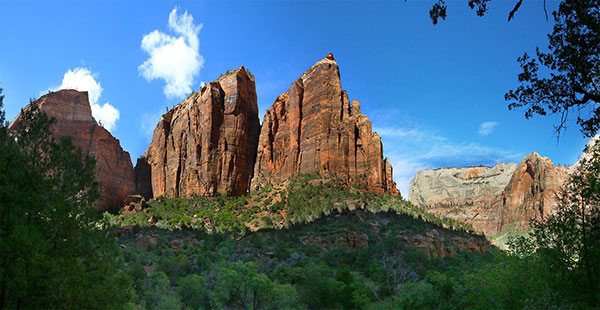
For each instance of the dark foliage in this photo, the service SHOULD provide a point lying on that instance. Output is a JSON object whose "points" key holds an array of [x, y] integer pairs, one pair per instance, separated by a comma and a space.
{"points": [[51, 247], [571, 67]]}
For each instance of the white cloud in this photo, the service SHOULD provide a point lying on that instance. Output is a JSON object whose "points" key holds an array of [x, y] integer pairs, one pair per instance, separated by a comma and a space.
{"points": [[175, 59], [486, 128], [82, 79], [106, 115], [413, 134]]}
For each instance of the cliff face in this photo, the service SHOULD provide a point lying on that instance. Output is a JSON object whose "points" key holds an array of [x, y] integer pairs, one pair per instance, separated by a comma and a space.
{"points": [[206, 144], [463, 194], [313, 128], [460, 185], [114, 171], [492, 199], [531, 192]]}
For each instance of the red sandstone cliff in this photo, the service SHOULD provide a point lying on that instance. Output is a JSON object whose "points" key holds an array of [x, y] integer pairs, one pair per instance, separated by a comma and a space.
{"points": [[312, 128], [114, 171], [531, 192], [206, 144]]}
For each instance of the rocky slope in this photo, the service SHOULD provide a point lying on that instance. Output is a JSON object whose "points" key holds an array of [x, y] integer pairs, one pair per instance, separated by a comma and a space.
{"points": [[313, 128], [492, 199], [205, 145], [114, 171]]}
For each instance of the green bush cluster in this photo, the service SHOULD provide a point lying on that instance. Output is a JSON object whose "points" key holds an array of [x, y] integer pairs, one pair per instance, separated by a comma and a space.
{"points": [[273, 268]]}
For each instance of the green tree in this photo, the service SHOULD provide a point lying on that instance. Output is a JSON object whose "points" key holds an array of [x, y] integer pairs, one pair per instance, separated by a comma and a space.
{"points": [[556, 266], [52, 246], [240, 286], [157, 293], [193, 292], [567, 243], [566, 78], [438, 10], [572, 67]]}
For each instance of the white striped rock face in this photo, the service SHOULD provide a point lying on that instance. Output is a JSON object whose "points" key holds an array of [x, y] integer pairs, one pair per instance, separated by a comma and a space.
{"points": [[460, 185], [496, 199], [463, 194]]}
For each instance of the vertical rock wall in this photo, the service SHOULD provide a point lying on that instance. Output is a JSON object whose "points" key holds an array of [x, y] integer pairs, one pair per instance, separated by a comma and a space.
{"points": [[207, 144], [313, 128]]}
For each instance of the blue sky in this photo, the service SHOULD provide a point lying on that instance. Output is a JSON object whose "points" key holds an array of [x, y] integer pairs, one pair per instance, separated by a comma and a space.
{"points": [[434, 93]]}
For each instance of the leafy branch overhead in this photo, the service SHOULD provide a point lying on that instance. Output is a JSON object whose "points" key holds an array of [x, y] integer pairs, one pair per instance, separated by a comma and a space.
{"points": [[480, 6], [566, 78], [438, 10], [571, 67]]}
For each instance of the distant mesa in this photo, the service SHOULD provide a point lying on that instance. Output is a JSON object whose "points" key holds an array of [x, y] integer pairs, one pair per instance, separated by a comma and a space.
{"points": [[114, 171], [493, 199], [313, 128], [531, 193]]}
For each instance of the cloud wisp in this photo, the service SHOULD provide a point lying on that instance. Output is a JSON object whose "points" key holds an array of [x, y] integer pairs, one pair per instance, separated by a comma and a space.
{"points": [[486, 128], [413, 149], [148, 124], [174, 59], [82, 79]]}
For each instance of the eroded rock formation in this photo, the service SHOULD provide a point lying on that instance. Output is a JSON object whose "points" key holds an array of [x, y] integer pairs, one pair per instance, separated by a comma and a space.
{"points": [[434, 245], [531, 192], [207, 144], [492, 199], [313, 128], [463, 194], [114, 171]]}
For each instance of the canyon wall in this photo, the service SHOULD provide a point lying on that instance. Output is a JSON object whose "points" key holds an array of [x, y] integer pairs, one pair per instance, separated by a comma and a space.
{"points": [[313, 128], [206, 144], [492, 199]]}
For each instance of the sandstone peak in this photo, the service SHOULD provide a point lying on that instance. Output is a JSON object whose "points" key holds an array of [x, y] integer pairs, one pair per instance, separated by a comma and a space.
{"points": [[324, 67], [73, 114], [312, 128], [537, 157], [531, 192], [206, 144], [240, 72], [66, 104]]}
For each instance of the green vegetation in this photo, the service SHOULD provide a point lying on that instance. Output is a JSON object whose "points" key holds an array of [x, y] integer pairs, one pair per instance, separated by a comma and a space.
{"points": [[300, 200], [308, 243], [571, 66], [231, 71], [52, 245], [319, 265]]}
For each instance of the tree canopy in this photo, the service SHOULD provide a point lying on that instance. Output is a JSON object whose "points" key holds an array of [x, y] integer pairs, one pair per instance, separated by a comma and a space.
{"points": [[52, 245], [566, 78]]}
